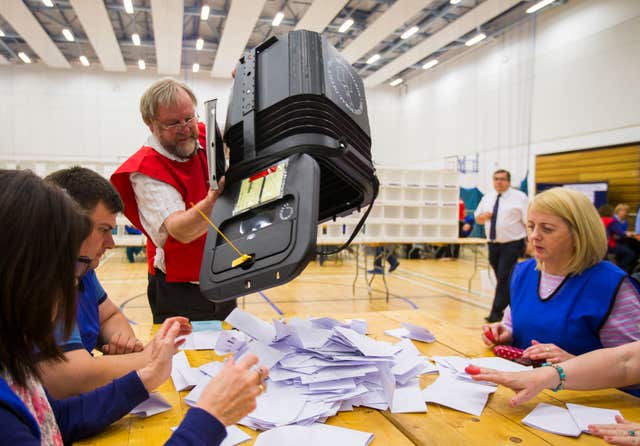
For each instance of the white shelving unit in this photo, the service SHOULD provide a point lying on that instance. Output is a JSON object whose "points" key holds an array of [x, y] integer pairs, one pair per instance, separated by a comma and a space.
{"points": [[413, 206]]}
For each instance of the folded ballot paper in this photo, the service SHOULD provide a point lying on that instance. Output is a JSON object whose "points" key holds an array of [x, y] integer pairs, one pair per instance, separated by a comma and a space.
{"points": [[313, 435], [571, 421], [235, 436], [454, 388], [411, 331], [153, 405]]}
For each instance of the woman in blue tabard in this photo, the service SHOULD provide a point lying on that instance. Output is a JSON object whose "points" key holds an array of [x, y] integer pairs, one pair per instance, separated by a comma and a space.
{"points": [[567, 301]]}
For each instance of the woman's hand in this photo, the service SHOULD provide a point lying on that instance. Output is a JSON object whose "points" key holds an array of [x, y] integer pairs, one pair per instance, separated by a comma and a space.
{"points": [[526, 384], [625, 432], [232, 393], [496, 334], [162, 348], [546, 353]]}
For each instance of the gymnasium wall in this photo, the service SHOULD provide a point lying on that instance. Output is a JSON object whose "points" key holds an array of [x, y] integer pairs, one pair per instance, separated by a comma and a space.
{"points": [[565, 81]]}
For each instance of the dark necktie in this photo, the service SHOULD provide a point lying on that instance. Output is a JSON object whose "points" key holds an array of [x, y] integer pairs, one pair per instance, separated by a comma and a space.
{"points": [[494, 219]]}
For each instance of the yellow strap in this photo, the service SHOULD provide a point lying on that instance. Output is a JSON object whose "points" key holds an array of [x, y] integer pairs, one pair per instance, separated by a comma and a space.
{"points": [[243, 257]]}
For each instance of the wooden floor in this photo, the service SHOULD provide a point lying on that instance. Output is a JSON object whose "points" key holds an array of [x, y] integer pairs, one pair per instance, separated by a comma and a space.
{"points": [[435, 285]]}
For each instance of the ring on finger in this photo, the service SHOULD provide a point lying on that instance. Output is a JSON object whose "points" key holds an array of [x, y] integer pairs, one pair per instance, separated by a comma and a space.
{"points": [[632, 433], [261, 387], [258, 370], [547, 349]]}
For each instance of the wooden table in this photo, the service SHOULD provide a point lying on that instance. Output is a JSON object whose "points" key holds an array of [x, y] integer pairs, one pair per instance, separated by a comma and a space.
{"points": [[499, 424]]}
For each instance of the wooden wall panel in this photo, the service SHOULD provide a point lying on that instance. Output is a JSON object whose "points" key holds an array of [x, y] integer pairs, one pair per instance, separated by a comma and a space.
{"points": [[620, 166]]}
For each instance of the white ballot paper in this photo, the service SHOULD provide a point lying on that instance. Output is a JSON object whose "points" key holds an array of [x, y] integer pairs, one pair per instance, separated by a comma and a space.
{"points": [[183, 376], [200, 340], [251, 325], [411, 331], [468, 397], [585, 415], [313, 435], [554, 419], [235, 436], [153, 405]]}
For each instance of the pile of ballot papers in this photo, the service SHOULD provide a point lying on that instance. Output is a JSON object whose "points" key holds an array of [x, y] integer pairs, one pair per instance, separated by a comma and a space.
{"points": [[321, 366], [317, 367]]}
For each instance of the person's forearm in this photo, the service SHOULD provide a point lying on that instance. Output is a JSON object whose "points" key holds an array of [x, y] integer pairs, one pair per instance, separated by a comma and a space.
{"points": [[82, 372], [114, 324], [186, 226], [90, 413], [600, 369]]}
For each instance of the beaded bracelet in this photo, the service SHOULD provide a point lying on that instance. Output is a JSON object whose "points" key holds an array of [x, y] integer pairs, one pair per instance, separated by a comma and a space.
{"points": [[561, 374]]}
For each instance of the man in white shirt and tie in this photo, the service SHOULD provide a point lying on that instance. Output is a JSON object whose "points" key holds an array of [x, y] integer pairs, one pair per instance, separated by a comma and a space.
{"points": [[504, 214]]}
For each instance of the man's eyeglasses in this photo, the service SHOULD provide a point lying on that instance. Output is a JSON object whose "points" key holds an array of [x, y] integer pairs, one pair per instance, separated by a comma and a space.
{"points": [[180, 124], [82, 266]]}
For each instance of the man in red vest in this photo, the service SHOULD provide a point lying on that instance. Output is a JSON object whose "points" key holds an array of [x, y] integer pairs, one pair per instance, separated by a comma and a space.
{"points": [[160, 185]]}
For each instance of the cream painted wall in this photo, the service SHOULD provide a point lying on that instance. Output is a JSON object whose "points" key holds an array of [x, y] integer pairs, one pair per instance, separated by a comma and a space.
{"points": [[83, 115], [571, 80]]}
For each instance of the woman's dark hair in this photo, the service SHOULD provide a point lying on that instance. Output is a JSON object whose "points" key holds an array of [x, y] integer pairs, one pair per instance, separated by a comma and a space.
{"points": [[42, 229]]}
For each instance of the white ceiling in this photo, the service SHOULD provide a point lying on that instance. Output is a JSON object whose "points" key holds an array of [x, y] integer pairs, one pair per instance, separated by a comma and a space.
{"points": [[169, 29]]}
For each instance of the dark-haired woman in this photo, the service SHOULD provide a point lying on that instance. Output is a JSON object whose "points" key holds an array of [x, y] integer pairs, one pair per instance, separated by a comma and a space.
{"points": [[41, 234]]}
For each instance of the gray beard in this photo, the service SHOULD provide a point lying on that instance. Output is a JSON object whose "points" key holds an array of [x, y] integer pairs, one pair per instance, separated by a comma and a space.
{"points": [[179, 150]]}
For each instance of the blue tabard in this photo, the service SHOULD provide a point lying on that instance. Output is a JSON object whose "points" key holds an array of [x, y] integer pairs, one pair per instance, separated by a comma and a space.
{"points": [[572, 316]]}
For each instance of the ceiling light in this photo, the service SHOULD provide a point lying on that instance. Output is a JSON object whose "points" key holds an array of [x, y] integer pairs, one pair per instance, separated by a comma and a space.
{"points": [[410, 32], [67, 35], [196, 67], [128, 6], [135, 38], [48, 3], [84, 61], [345, 26], [396, 82], [199, 43], [2, 33], [141, 64], [455, 2], [432, 63], [475, 39], [204, 13], [373, 59], [24, 57], [277, 19], [538, 6]]}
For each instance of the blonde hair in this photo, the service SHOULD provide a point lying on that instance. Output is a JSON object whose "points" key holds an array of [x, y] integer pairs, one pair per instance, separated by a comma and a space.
{"points": [[585, 225], [621, 206], [162, 92]]}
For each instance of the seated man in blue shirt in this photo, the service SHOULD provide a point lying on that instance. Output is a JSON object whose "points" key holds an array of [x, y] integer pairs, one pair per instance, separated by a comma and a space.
{"points": [[100, 324]]}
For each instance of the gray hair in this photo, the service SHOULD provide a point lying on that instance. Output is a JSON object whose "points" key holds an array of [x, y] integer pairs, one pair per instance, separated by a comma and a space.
{"points": [[162, 92]]}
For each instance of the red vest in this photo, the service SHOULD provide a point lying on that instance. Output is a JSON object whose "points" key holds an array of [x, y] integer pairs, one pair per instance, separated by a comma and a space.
{"points": [[190, 179]]}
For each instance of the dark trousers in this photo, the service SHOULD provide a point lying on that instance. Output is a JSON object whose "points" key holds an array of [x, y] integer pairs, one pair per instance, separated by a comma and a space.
{"points": [[168, 299], [625, 257], [503, 257], [377, 261]]}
